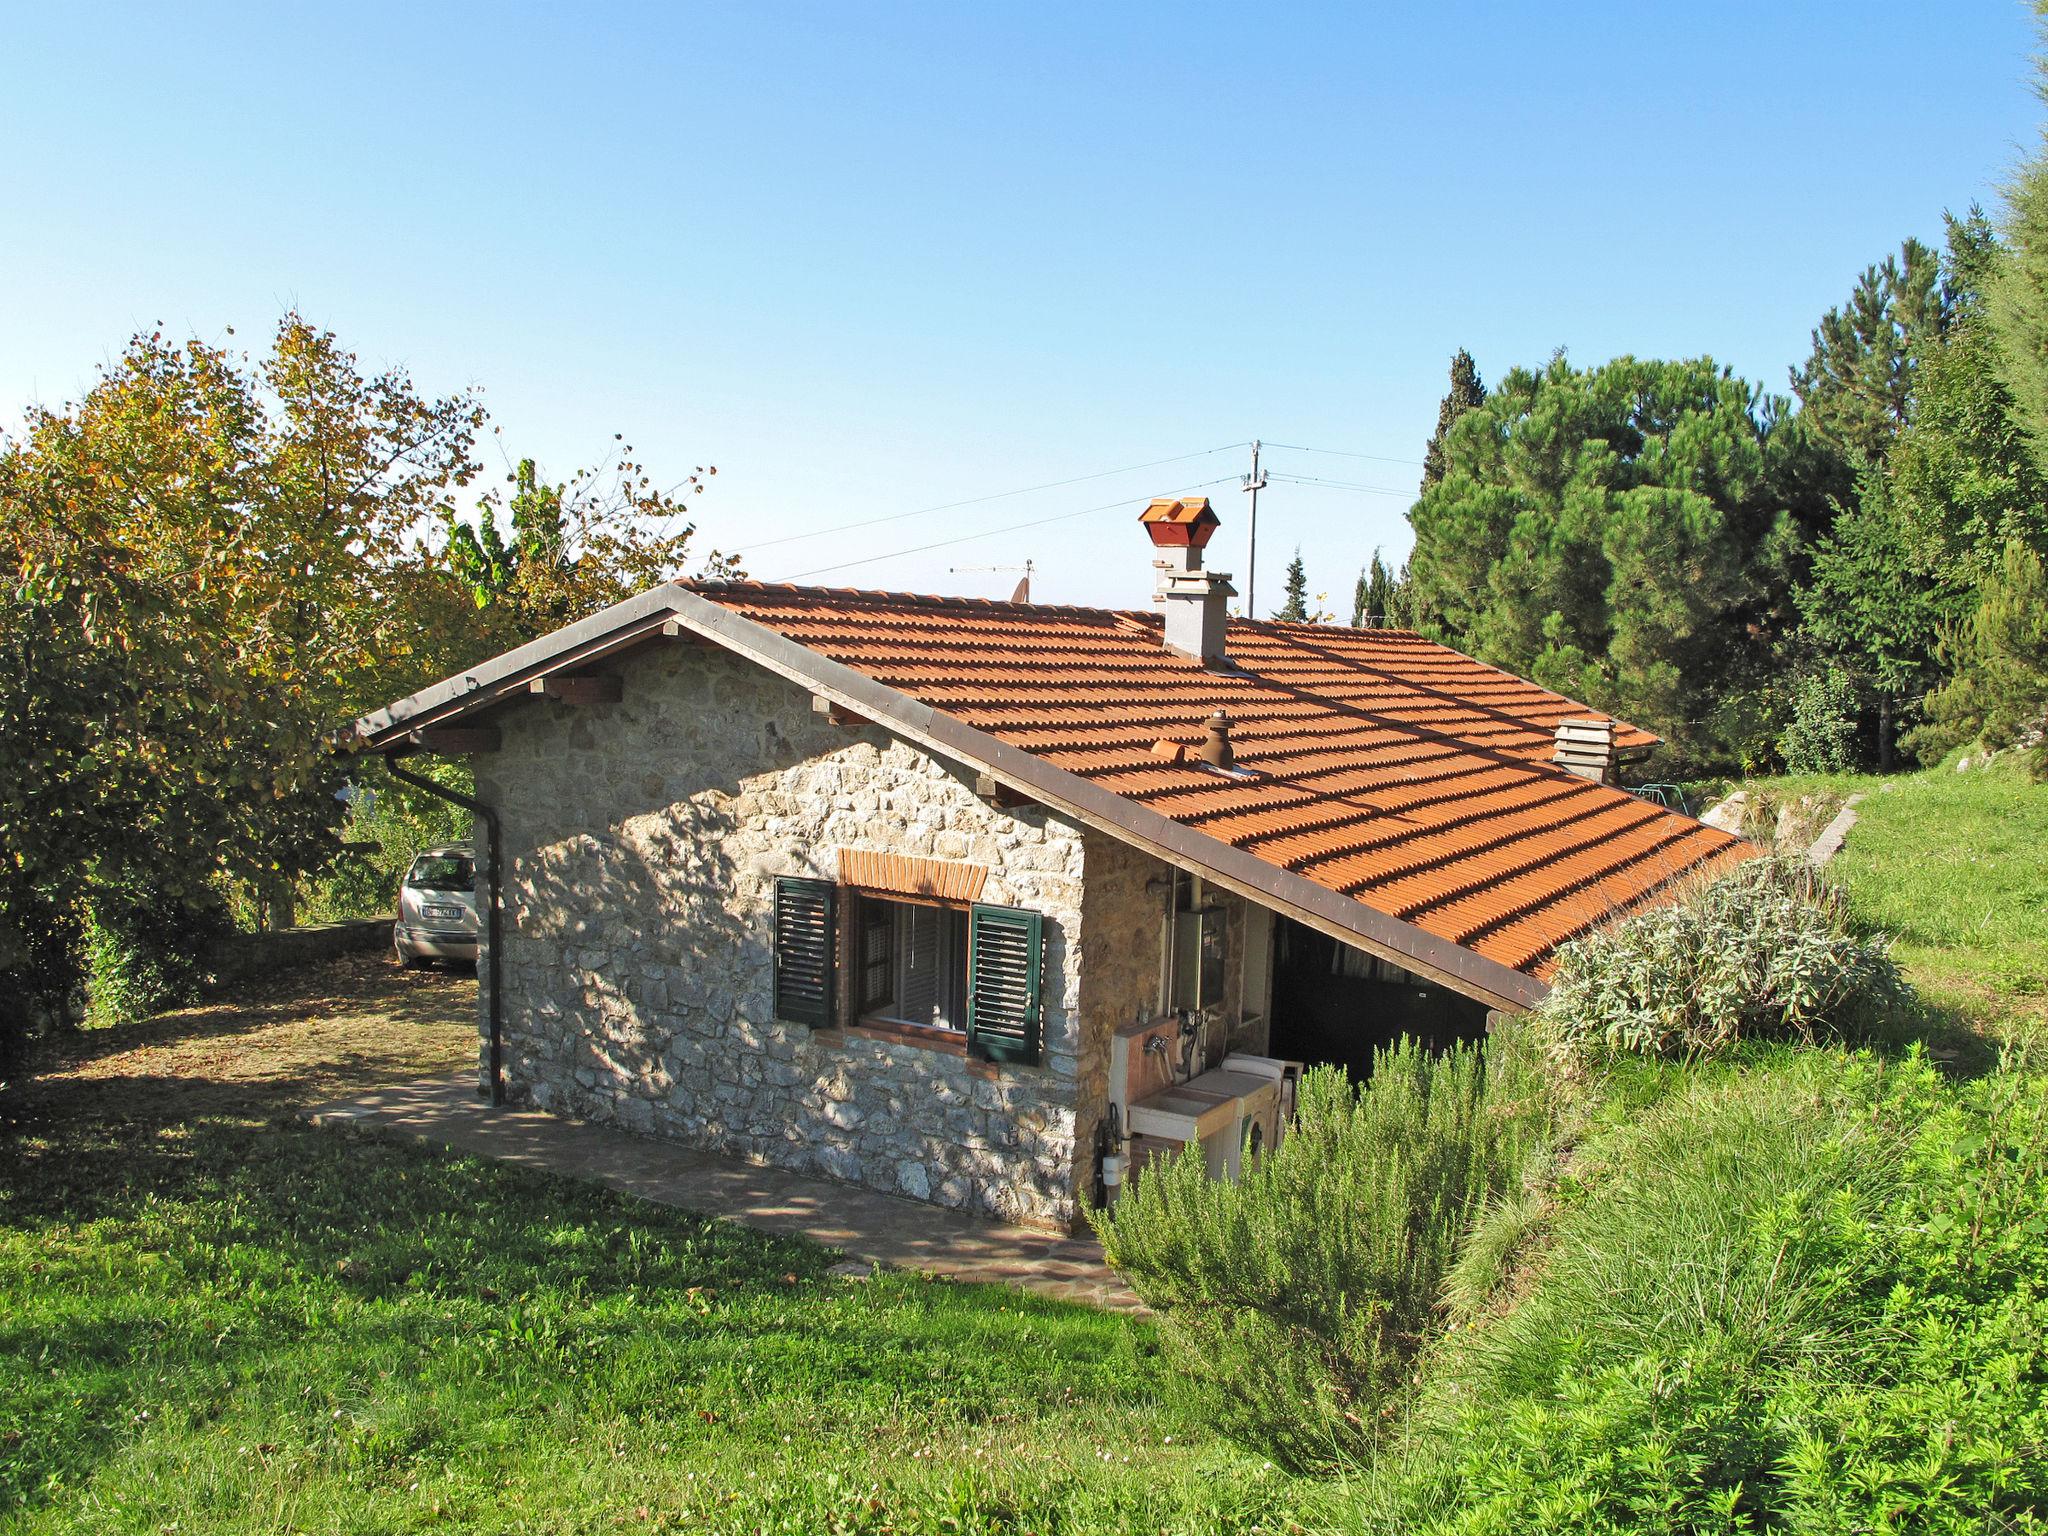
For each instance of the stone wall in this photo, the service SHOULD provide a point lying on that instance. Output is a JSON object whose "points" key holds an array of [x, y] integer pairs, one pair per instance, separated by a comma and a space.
{"points": [[1124, 902], [642, 844]]}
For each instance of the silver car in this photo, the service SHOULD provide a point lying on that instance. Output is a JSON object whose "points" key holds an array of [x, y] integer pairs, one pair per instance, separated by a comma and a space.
{"points": [[437, 918]]}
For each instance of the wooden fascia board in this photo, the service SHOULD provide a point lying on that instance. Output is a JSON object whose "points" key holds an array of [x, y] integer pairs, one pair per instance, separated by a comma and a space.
{"points": [[632, 622], [1349, 921]]}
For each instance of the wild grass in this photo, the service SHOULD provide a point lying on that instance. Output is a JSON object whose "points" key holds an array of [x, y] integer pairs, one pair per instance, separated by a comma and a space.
{"points": [[1805, 1295], [1795, 1288], [215, 1319]]}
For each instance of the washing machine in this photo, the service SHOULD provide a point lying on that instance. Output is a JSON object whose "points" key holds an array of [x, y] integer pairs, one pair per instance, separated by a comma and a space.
{"points": [[1266, 1126]]}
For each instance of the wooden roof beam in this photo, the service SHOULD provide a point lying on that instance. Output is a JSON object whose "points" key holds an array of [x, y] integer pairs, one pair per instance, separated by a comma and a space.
{"points": [[456, 740], [587, 688]]}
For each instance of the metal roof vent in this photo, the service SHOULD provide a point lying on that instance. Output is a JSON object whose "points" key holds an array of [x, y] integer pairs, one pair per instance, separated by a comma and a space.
{"points": [[1585, 747]]}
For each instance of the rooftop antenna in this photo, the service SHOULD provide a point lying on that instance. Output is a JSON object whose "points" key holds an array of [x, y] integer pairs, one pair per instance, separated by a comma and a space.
{"points": [[1254, 483], [1023, 592]]}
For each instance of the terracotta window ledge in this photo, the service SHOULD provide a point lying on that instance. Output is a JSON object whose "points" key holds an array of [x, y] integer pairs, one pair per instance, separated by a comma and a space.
{"points": [[952, 1041], [926, 1037]]}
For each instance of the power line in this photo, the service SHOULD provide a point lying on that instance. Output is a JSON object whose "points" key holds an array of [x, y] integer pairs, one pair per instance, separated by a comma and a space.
{"points": [[1342, 485], [975, 501], [1343, 453], [989, 533]]}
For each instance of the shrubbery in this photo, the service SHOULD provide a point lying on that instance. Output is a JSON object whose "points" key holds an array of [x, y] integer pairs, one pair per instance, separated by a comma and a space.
{"points": [[1294, 1300], [147, 949], [1765, 951], [1809, 1300], [388, 822], [1821, 736]]}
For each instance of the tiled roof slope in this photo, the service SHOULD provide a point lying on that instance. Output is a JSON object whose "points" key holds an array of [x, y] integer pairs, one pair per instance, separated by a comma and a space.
{"points": [[1386, 767]]}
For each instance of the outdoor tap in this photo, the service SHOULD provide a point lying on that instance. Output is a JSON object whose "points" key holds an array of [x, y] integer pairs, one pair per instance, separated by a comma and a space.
{"points": [[1155, 1045]]}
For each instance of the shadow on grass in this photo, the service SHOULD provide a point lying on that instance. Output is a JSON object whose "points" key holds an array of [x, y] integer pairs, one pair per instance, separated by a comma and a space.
{"points": [[186, 1254], [371, 984]]}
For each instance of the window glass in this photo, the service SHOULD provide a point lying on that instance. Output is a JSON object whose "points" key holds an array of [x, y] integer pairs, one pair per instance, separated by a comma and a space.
{"points": [[913, 961], [442, 872]]}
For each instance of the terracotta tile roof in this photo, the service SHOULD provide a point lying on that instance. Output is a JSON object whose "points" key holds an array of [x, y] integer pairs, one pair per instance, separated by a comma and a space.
{"points": [[1377, 763]]}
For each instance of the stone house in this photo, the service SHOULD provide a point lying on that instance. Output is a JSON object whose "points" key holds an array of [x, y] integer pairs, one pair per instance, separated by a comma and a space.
{"points": [[873, 884]]}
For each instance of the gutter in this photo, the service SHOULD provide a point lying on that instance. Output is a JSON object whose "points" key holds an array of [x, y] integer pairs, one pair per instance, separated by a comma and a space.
{"points": [[492, 877]]}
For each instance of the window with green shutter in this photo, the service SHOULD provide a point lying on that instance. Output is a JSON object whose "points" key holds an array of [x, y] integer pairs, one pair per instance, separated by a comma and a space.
{"points": [[805, 943], [1005, 947]]}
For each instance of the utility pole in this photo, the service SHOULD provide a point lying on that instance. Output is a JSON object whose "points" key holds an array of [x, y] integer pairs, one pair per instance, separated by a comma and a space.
{"points": [[1254, 483]]}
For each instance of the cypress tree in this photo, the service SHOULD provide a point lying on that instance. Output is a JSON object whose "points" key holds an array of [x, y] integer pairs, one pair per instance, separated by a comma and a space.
{"points": [[1466, 392], [1374, 599], [1295, 608]]}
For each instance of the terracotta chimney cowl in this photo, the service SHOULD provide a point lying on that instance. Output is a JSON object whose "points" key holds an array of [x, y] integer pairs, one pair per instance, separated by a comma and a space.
{"points": [[1196, 601], [1216, 749]]}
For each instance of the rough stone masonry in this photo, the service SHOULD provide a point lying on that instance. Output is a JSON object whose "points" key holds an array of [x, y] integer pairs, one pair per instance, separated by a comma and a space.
{"points": [[642, 844]]}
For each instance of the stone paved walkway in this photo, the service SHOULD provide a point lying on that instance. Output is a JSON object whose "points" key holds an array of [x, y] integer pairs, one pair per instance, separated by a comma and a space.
{"points": [[870, 1228]]}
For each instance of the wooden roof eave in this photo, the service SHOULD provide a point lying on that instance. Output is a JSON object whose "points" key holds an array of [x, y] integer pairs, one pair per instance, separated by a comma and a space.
{"points": [[1343, 917], [672, 611]]}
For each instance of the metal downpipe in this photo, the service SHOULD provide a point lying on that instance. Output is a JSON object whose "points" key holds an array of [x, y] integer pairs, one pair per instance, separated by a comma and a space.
{"points": [[493, 880]]}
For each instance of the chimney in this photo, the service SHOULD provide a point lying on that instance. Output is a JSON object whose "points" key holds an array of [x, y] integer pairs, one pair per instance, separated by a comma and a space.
{"points": [[1195, 600], [1586, 747]]}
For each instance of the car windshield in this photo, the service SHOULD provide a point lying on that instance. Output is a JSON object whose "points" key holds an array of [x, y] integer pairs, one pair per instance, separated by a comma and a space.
{"points": [[442, 872]]}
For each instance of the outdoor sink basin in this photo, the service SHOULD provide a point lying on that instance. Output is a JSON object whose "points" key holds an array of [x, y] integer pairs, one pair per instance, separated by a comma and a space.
{"points": [[1197, 1108]]}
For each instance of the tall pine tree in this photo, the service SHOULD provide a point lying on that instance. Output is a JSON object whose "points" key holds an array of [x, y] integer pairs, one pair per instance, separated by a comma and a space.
{"points": [[1857, 384], [1929, 522], [2017, 296], [1614, 533], [1465, 393]]}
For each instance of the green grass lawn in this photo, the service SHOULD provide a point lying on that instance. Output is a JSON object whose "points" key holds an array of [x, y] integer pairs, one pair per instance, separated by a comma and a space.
{"points": [[282, 1329], [1955, 867], [215, 1319]]}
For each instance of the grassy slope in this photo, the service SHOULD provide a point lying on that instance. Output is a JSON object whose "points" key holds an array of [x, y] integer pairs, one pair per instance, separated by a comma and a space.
{"points": [[211, 1320], [1617, 1292], [1955, 866]]}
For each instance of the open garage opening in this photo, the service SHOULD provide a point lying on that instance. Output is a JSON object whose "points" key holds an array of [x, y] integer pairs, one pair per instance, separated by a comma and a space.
{"points": [[1335, 1005]]}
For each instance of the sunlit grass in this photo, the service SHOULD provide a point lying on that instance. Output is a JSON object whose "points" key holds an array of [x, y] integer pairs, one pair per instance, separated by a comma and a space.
{"points": [[1955, 867], [286, 1329]]}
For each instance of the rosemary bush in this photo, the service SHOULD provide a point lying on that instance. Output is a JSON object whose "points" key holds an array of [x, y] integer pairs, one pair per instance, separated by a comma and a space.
{"points": [[1764, 951], [1294, 1300]]}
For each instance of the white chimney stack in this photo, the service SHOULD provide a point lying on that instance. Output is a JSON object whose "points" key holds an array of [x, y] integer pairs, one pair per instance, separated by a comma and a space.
{"points": [[1197, 602]]}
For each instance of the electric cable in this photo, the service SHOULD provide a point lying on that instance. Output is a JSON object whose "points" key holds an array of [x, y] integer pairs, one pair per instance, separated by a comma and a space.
{"points": [[989, 533], [974, 501], [1345, 453], [1340, 485]]}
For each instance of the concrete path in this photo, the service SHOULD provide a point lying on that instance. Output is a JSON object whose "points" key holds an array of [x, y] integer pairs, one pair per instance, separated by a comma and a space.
{"points": [[1835, 833], [870, 1228]]}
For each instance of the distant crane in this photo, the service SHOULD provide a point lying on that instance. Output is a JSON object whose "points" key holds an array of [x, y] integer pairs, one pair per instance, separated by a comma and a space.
{"points": [[1023, 592]]}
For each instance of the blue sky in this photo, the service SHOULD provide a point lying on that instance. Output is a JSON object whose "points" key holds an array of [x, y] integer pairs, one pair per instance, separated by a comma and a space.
{"points": [[868, 259]]}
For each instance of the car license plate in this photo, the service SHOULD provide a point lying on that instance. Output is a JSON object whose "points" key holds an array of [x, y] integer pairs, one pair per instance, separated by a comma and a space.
{"points": [[442, 914]]}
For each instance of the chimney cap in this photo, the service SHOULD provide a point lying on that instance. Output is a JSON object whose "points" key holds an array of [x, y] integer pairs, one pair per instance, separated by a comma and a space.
{"points": [[1175, 521]]}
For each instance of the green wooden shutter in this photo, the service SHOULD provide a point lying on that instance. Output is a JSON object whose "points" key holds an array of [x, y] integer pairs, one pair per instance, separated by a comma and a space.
{"points": [[1004, 951], [806, 944]]}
